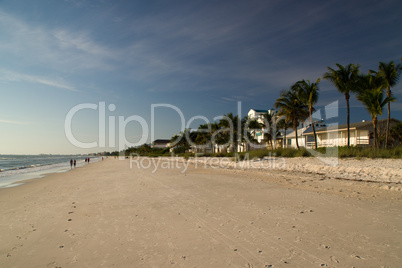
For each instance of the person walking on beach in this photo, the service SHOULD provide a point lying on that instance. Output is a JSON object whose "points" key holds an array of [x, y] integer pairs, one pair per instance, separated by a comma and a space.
{"points": [[71, 163], [75, 162]]}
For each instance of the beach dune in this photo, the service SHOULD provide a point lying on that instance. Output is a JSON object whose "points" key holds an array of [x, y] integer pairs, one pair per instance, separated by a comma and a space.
{"points": [[108, 214]]}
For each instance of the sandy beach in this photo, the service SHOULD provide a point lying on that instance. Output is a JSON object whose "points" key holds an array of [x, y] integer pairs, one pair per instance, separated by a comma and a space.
{"points": [[107, 214]]}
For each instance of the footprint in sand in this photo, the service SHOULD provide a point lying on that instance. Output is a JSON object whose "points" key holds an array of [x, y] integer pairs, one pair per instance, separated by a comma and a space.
{"points": [[325, 246], [334, 259], [306, 211]]}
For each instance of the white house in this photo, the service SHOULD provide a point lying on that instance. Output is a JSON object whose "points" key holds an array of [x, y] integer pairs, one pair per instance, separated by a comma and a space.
{"points": [[361, 134], [255, 114], [304, 128]]}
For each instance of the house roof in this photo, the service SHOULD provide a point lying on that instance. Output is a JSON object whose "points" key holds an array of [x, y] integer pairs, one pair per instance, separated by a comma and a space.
{"points": [[358, 125], [161, 141], [292, 134], [259, 111]]}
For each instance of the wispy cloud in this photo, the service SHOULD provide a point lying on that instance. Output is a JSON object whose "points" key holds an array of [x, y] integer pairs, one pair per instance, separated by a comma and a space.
{"points": [[13, 122], [60, 49], [81, 42], [19, 77]]}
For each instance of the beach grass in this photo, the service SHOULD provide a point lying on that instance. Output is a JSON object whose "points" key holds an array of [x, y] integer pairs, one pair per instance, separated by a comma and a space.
{"points": [[341, 152]]}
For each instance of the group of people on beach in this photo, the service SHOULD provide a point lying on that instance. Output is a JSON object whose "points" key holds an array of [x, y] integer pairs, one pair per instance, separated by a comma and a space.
{"points": [[74, 162]]}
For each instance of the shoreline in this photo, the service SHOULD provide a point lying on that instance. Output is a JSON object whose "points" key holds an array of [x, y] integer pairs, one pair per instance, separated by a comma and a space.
{"points": [[14, 180], [381, 172]]}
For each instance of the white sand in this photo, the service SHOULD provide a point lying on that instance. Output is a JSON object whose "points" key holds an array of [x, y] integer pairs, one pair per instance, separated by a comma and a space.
{"points": [[376, 170], [106, 214]]}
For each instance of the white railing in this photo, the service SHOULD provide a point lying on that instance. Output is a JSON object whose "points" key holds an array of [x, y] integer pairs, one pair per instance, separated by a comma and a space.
{"points": [[332, 143], [363, 141]]}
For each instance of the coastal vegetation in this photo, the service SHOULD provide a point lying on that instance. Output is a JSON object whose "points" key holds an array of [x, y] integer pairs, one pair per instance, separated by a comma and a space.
{"points": [[389, 72], [340, 152], [344, 79], [294, 106]]}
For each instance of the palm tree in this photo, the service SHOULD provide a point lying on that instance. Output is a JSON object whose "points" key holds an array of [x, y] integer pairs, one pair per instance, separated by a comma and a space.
{"points": [[202, 137], [309, 93], [290, 105], [344, 80], [390, 73], [253, 127], [396, 133], [268, 122], [371, 94], [183, 140], [229, 132], [271, 128], [283, 124]]}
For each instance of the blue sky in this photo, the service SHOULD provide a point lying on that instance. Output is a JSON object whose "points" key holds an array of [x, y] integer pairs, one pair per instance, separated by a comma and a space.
{"points": [[200, 56]]}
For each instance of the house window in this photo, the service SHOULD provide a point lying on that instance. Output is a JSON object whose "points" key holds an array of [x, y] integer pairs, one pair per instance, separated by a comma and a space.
{"points": [[289, 142]]}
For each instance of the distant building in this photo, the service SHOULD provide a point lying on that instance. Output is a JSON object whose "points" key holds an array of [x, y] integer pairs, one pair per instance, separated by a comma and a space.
{"points": [[160, 143], [256, 114]]}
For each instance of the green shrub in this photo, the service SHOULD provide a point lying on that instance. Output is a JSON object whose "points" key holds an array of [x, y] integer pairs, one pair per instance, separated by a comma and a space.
{"points": [[361, 152], [188, 155], [258, 154]]}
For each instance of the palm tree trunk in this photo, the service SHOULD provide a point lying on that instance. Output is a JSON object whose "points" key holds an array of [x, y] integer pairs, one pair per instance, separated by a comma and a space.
{"points": [[347, 97], [297, 138], [272, 143], [315, 136], [284, 141], [375, 133], [389, 118]]}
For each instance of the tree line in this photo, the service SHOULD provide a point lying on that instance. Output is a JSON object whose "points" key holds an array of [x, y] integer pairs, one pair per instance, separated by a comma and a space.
{"points": [[373, 89]]}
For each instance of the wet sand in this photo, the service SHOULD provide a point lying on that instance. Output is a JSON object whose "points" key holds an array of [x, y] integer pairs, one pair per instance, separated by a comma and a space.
{"points": [[106, 214]]}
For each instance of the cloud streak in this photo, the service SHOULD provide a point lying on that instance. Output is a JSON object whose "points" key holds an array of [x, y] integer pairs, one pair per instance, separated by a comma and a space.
{"points": [[62, 50], [13, 122], [19, 77]]}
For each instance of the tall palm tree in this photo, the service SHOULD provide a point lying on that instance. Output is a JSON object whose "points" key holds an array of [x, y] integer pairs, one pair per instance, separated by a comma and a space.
{"points": [[344, 80], [271, 128], [390, 73], [268, 121], [253, 126], [290, 105], [229, 131], [309, 93], [284, 124], [371, 94]]}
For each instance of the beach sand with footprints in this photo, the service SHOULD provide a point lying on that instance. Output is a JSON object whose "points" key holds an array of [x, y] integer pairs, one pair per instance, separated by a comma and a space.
{"points": [[108, 214]]}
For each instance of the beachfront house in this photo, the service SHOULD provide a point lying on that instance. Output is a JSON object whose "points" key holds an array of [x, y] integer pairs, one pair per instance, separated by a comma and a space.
{"points": [[291, 138], [361, 134], [301, 137]]}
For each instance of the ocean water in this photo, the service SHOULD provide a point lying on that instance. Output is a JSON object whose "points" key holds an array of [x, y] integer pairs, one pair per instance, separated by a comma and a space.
{"points": [[15, 168]]}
